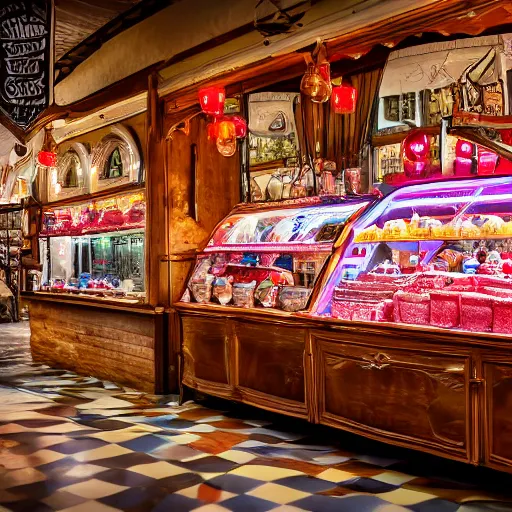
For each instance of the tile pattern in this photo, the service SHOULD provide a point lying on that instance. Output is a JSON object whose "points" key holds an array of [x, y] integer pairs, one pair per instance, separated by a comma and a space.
{"points": [[77, 444]]}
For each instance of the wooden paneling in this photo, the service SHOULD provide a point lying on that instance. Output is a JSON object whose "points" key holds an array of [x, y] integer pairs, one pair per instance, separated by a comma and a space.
{"points": [[109, 344], [205, 350], [409, 395], [498, 418], [271, 359], [448, 393], [200, 197]]}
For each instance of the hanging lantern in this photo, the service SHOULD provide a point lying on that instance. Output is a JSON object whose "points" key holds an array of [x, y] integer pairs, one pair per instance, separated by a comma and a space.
{"points": [[212, 100], [212, 130], [415, 152], [226, 139], [47, 158], [343, 99], [314, 85], [240, 126]]}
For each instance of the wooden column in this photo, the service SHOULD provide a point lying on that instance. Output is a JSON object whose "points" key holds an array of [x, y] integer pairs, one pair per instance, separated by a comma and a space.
{"points": [[157, 231]]}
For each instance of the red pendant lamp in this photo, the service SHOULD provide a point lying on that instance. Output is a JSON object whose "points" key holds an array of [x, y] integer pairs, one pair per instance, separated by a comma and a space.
{"points": [[344, 99], [212, 100], [47, 158], [240, 126]]}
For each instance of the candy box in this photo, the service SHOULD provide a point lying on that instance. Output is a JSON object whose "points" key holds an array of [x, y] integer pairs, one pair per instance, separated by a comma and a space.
{"points": [[412, 308], [495, 292], [341, 309], [476, 312], [502, 315], [445, 309]]}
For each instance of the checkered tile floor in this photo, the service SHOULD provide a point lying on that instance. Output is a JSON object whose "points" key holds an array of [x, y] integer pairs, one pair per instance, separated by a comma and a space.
{"points": [[77, 444]]}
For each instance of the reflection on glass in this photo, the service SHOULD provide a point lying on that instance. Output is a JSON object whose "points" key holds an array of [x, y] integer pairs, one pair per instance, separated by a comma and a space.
{"points": [[437, 254]]}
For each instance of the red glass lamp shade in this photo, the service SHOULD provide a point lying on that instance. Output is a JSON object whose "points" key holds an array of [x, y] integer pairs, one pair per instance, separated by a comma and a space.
{"points": [[464, 163], [47, 158], [212, 130], [415, 151], [240, 127], [226, 139], [212, 100], [343, 99]]}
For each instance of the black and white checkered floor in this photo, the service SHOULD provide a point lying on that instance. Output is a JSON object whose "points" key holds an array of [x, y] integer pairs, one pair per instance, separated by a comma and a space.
{"points": [[77, 444]]}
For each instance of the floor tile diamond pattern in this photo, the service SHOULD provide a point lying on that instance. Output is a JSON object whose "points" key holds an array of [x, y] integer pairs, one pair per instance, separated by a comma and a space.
{"points": [[77, 444]]}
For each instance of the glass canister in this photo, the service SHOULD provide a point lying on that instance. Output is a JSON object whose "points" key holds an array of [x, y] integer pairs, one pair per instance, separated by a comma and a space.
{"points": [[243, 294], [202, 290], [293, 298], [223, 289]]}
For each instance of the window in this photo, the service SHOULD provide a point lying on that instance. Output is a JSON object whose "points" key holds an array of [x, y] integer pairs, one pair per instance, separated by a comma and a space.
{"points": [[114, 165]]}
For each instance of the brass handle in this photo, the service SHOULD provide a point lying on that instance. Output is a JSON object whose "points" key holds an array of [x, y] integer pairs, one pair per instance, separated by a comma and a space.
{"points": [[378, 361], [476, 381]]}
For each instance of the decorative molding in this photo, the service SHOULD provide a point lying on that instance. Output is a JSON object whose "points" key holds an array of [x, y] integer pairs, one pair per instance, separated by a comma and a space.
{"points": [[104, 117]]}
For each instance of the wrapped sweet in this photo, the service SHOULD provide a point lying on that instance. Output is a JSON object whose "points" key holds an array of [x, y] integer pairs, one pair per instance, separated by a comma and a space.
{"points": [[395, 229], [243, 294], [370, 234], [492, 225], [223, 290], [469, 230]]}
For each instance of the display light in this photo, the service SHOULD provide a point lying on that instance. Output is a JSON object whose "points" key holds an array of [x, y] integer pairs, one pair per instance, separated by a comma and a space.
{"points": [[212, 100], [343, 99]]}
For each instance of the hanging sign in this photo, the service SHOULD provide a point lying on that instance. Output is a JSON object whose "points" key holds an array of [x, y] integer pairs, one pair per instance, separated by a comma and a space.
{"points": [[25, 59]]}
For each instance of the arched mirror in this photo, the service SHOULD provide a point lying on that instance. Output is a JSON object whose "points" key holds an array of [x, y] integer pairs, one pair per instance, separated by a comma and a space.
{"points": [[115, 159], [71, 176]]}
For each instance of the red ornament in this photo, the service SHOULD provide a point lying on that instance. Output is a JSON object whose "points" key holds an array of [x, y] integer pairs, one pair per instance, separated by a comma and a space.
{"points": [[240, 126], [416, 148], [343, 99], [47, 158], [212, 100], [463, 149]]}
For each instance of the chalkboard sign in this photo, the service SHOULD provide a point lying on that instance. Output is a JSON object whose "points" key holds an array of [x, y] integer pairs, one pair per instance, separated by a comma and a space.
{"points": [[25, 59]]}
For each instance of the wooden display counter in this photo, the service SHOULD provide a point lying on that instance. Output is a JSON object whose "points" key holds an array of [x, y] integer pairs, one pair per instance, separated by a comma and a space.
{"points": [[111, 340], [442, 392]]}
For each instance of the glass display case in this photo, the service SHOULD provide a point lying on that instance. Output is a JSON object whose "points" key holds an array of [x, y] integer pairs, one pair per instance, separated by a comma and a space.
{"points": [[96, 248], [11, 246], [270, 256], [437, 254]]}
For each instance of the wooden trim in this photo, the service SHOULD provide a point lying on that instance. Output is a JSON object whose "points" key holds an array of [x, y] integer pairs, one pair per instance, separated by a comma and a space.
{"points": [[272, 403], [396, 138], [102, 194], [161, 353], [93, 302], [210, 388]]}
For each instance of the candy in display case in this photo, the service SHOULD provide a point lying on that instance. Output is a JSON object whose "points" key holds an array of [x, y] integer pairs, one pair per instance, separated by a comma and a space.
{"points": [[98, 216], [96, 248], [436, 254], [270, 256]]}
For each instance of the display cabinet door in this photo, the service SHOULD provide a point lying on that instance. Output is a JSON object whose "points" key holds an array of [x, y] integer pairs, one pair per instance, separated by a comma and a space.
{"points": [[408, 395], [498, 420], [206, 355], [270, 369]]}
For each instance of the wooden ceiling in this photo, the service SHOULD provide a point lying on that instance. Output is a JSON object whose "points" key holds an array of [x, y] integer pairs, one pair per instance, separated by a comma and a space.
{"points": [[75, 20], [82, 26]]}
